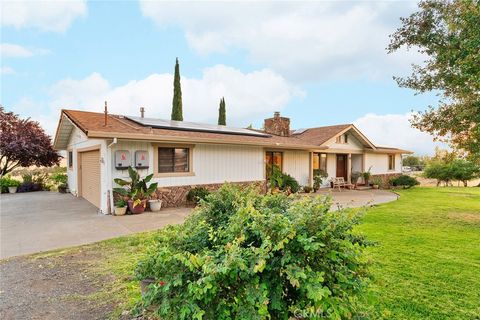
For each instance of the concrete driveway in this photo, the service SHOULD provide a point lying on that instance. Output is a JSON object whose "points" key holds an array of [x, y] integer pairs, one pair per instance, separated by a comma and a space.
{"points": [[40, 221]]}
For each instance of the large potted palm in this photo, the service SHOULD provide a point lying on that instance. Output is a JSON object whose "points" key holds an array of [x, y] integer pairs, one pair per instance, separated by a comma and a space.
{"points": [[137, 190]]}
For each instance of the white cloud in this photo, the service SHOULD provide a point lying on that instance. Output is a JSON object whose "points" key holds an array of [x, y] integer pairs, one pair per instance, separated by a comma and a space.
{"points": [[247, 95], [55, 16], [10, 50], [394, 130], [7, 70], [303, 41]]}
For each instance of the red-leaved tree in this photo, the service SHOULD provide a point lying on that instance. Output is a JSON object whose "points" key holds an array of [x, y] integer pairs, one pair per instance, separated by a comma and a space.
{"points": [[23, 143]]}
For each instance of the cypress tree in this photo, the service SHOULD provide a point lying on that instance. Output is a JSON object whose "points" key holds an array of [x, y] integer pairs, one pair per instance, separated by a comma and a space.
{"points": [[177, 112], [222, 118]]}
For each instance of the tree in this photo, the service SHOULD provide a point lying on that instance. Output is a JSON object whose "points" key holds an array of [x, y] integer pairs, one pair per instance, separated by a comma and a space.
{"points": [[23, 143], [464, 171], [411, 161], [448, 33], [177, 112], [222, 117]]}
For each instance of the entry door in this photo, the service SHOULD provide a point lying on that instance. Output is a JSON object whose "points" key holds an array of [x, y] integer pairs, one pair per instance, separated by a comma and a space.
{"points": [[90, 176], [342, 166]]}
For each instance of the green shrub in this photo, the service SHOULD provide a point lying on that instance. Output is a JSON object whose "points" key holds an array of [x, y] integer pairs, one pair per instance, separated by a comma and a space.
{"points": [[404, 181], [290, 184], [197, 194], [283, 181], [6, 182], [307, 189], [243, 255], [59, 178]]}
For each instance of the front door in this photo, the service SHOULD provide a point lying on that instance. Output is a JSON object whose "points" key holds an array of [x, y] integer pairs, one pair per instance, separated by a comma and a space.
{"points": [[342, 166]]}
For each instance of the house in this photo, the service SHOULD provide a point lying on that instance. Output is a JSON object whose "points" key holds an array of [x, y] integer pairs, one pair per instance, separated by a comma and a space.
{"points": [[100, 146]]}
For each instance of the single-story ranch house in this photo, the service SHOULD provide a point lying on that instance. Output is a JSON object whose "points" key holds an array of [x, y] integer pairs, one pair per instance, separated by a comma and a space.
{"points": [[181, 155]]}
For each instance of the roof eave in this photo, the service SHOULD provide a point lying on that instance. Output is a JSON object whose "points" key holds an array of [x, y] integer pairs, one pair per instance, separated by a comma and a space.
{"points": [[164, 138]]}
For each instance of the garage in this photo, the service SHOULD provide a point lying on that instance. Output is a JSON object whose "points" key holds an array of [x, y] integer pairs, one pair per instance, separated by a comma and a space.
{"points": [[90, 176]]}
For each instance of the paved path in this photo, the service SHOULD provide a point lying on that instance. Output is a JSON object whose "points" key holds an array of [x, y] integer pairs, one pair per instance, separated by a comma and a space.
{"points": [[357, 198], [40, 221]]}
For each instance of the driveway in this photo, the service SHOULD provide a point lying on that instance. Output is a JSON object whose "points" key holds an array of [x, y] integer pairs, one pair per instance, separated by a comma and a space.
{"points": [[40, 221]]}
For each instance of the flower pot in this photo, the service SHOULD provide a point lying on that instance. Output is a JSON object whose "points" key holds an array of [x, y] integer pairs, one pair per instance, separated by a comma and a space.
{"points": [[12, 189], [62, 189], [155, 205], [139, 208], [375, 186], [144, 285], [120, 211]]}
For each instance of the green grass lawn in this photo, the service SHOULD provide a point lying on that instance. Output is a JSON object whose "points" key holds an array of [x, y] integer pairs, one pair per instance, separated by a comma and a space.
{"points": [[426, 262]]}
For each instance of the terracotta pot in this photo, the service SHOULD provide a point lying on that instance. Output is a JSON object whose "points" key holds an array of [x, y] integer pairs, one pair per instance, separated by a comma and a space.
{"points": [[139, 208]]}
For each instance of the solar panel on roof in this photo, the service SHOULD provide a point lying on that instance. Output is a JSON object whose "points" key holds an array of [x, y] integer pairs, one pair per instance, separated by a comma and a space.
{"points": [[193, 126], [300, 131]]}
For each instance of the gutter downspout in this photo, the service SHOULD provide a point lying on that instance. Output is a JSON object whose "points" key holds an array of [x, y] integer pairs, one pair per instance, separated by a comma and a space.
{"points": [[110, 192]]}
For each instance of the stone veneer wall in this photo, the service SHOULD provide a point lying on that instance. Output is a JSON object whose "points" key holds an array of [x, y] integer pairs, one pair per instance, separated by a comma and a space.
{"points": [[177, 196], [385, 178]]}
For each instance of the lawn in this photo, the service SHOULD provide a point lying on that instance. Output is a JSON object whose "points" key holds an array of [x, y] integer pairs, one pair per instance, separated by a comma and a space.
{"points": [[426, 261]]}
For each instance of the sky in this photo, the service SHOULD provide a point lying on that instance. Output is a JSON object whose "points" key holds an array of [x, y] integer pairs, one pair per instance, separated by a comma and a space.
{"points": [[319, 63]]}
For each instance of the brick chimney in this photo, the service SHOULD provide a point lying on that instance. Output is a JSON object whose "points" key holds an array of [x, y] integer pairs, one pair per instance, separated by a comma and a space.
{"points": [[277, 125]]}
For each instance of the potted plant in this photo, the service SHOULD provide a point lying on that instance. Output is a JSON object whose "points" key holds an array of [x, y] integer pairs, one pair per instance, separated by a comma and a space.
{"points": [[11, 184], [355, 176], [62, 188], [120, 207], [136, 190], [318, 179], [376, 182], [154, 203], [366, 176]]}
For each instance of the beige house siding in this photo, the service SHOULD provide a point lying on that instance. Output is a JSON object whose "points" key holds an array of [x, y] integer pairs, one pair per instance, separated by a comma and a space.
{"points": [[352, 144], [379, 163], [79, 142], [297, 164], [210, 164]]}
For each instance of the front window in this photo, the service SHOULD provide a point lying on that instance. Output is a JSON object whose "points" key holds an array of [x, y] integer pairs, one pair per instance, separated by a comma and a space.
{"points": [[273, 159], [173, 160], [320, 161], [70, 159], [391, 162]]}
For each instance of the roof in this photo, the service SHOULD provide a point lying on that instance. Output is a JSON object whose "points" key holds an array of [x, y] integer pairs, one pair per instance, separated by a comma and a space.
{"points": [[121, 127]]}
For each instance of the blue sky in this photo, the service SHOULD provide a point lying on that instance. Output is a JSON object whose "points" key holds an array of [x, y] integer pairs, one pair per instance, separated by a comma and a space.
{"points": [[318, 63]]}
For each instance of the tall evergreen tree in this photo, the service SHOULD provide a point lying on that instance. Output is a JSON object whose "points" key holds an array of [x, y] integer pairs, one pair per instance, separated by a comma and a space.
{"points": [[222, 117], [177, 112]]}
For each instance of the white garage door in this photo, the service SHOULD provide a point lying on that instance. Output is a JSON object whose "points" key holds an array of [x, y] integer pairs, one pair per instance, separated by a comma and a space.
{"points": [[90, 176]]}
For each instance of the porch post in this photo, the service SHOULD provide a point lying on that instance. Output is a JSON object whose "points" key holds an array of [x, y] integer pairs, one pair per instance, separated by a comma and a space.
{"points": [[310, 171], [349, 168]]}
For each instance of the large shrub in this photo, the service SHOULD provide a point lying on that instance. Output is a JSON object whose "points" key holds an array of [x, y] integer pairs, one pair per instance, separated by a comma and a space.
{"points": [[404, 181], [197, 194], [243, 255]]}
